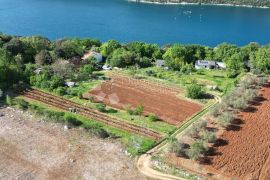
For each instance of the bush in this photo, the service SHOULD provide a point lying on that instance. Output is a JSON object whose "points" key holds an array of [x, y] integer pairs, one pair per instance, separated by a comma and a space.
{"points": [[262, 81], [194, 91], [71, 120], [197, 149], [208, 136], [240, 103], [129, 110], [215, 111], [80, 95], [22, 104], [101, 107], [179, 148], [225, 119], [98, 131], [193, 131], [91, 99], [9, 100], [61, 91], [139, 110], [153, 117]]}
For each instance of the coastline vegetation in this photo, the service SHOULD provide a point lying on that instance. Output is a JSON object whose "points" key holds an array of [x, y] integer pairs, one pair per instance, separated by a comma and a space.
{"points": [[247, 3]]}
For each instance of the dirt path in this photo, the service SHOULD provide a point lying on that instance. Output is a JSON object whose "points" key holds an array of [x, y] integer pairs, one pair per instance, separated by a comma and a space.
{"points": [[31, 149]]}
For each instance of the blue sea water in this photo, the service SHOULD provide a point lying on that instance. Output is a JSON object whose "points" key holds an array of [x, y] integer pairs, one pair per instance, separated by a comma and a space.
{"points": [[128, 21]]}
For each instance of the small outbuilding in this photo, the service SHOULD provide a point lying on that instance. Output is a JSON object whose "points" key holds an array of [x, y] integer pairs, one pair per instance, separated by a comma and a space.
{"points": [[70, 84], [207, 64], [160, 63], [93, 54]]}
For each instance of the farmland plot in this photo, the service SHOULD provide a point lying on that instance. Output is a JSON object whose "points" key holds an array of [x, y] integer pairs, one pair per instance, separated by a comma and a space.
{"points": [[157, 99]]}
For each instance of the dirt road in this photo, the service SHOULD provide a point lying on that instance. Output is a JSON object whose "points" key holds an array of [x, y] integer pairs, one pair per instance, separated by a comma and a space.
{"points": [[31, 149]]}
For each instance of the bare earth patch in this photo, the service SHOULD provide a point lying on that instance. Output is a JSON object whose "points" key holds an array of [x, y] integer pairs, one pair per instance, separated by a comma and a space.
{"points": [[122, 91], [31, 149]]}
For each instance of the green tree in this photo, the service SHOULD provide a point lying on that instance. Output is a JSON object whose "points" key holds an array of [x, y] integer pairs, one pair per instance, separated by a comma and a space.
{"points": [[194, 91], [122, 58], [225, 51], [261, 59], [109, 47], [43, 57]]}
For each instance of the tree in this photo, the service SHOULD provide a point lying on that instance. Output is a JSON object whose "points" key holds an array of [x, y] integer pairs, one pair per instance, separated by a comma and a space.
{"points": [[153, 117], [108, 48], [43, 57], [122, 58], [14, 46], [208, 136], [194, 91], [197, 149], [178, 147], [101, 107], [1, 93], [62, 68], [261, 59], [225, 51], [225, 119]]}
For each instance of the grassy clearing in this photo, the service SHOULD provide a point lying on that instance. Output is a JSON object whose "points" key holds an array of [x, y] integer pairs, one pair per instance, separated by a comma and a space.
{"points": [[204, 77], [134, 144]]}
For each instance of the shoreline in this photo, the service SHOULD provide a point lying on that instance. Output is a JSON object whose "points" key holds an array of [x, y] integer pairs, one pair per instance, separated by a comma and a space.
{"points": [[202, 4]]}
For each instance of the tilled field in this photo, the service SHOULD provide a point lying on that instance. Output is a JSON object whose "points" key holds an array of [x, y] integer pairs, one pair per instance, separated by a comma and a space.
{"points": [[32, 149], [90, 113], [247, 154], [160, 100]]}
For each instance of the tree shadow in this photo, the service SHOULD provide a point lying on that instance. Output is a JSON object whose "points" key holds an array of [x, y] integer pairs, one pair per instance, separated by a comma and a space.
{"points": [[233, 127], [250, 109], [207, 96], [220, 142], [237, 121]]}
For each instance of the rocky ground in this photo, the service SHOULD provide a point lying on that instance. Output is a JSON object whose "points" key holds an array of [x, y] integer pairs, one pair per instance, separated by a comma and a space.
{"points": [[33, 149]]}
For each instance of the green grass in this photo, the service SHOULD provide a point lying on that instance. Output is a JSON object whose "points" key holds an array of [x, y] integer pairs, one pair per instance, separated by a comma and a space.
{"points": [[134, 144], [205, 77]]}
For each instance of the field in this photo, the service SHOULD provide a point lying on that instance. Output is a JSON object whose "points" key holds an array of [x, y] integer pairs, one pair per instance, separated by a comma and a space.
{"points": [[242, 151], [33, 149], [248, 147], [161, 100]]}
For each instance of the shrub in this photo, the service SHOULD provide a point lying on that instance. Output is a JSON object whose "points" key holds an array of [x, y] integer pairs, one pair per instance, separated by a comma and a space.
{"points": [[178, 148], [98, 131], [138, 110], [194, 91], [128, 109], [250, 94], [225, 119], [208, 136], [197, 149], [262, 81], [153, 117], [80, 95], [61, 91], [193, 131], [101, 107], [9, 100], [215, 111], [71, 120], [55, 116], [22, 104], [240, 103]]}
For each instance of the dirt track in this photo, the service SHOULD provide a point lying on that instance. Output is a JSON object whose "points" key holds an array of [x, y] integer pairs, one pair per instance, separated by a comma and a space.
{"points": [[248, 146], [121, 91], [31, 149]]}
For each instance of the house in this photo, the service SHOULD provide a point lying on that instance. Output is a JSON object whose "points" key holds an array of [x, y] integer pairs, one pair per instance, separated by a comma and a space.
{"points": [[160, 63], [206, 64], [93, 54]]}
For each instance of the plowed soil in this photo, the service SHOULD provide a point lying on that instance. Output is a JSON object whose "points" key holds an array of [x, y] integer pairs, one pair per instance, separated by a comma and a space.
{"points": [[120, 92], [246, 155]]}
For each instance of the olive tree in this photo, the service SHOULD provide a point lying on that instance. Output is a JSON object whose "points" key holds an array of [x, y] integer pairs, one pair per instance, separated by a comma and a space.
{"points": [[197, 149]]}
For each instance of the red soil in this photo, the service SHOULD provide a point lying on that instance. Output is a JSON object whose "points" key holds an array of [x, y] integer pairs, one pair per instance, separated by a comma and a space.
{"points": [[122, 91], [246, 155]]}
